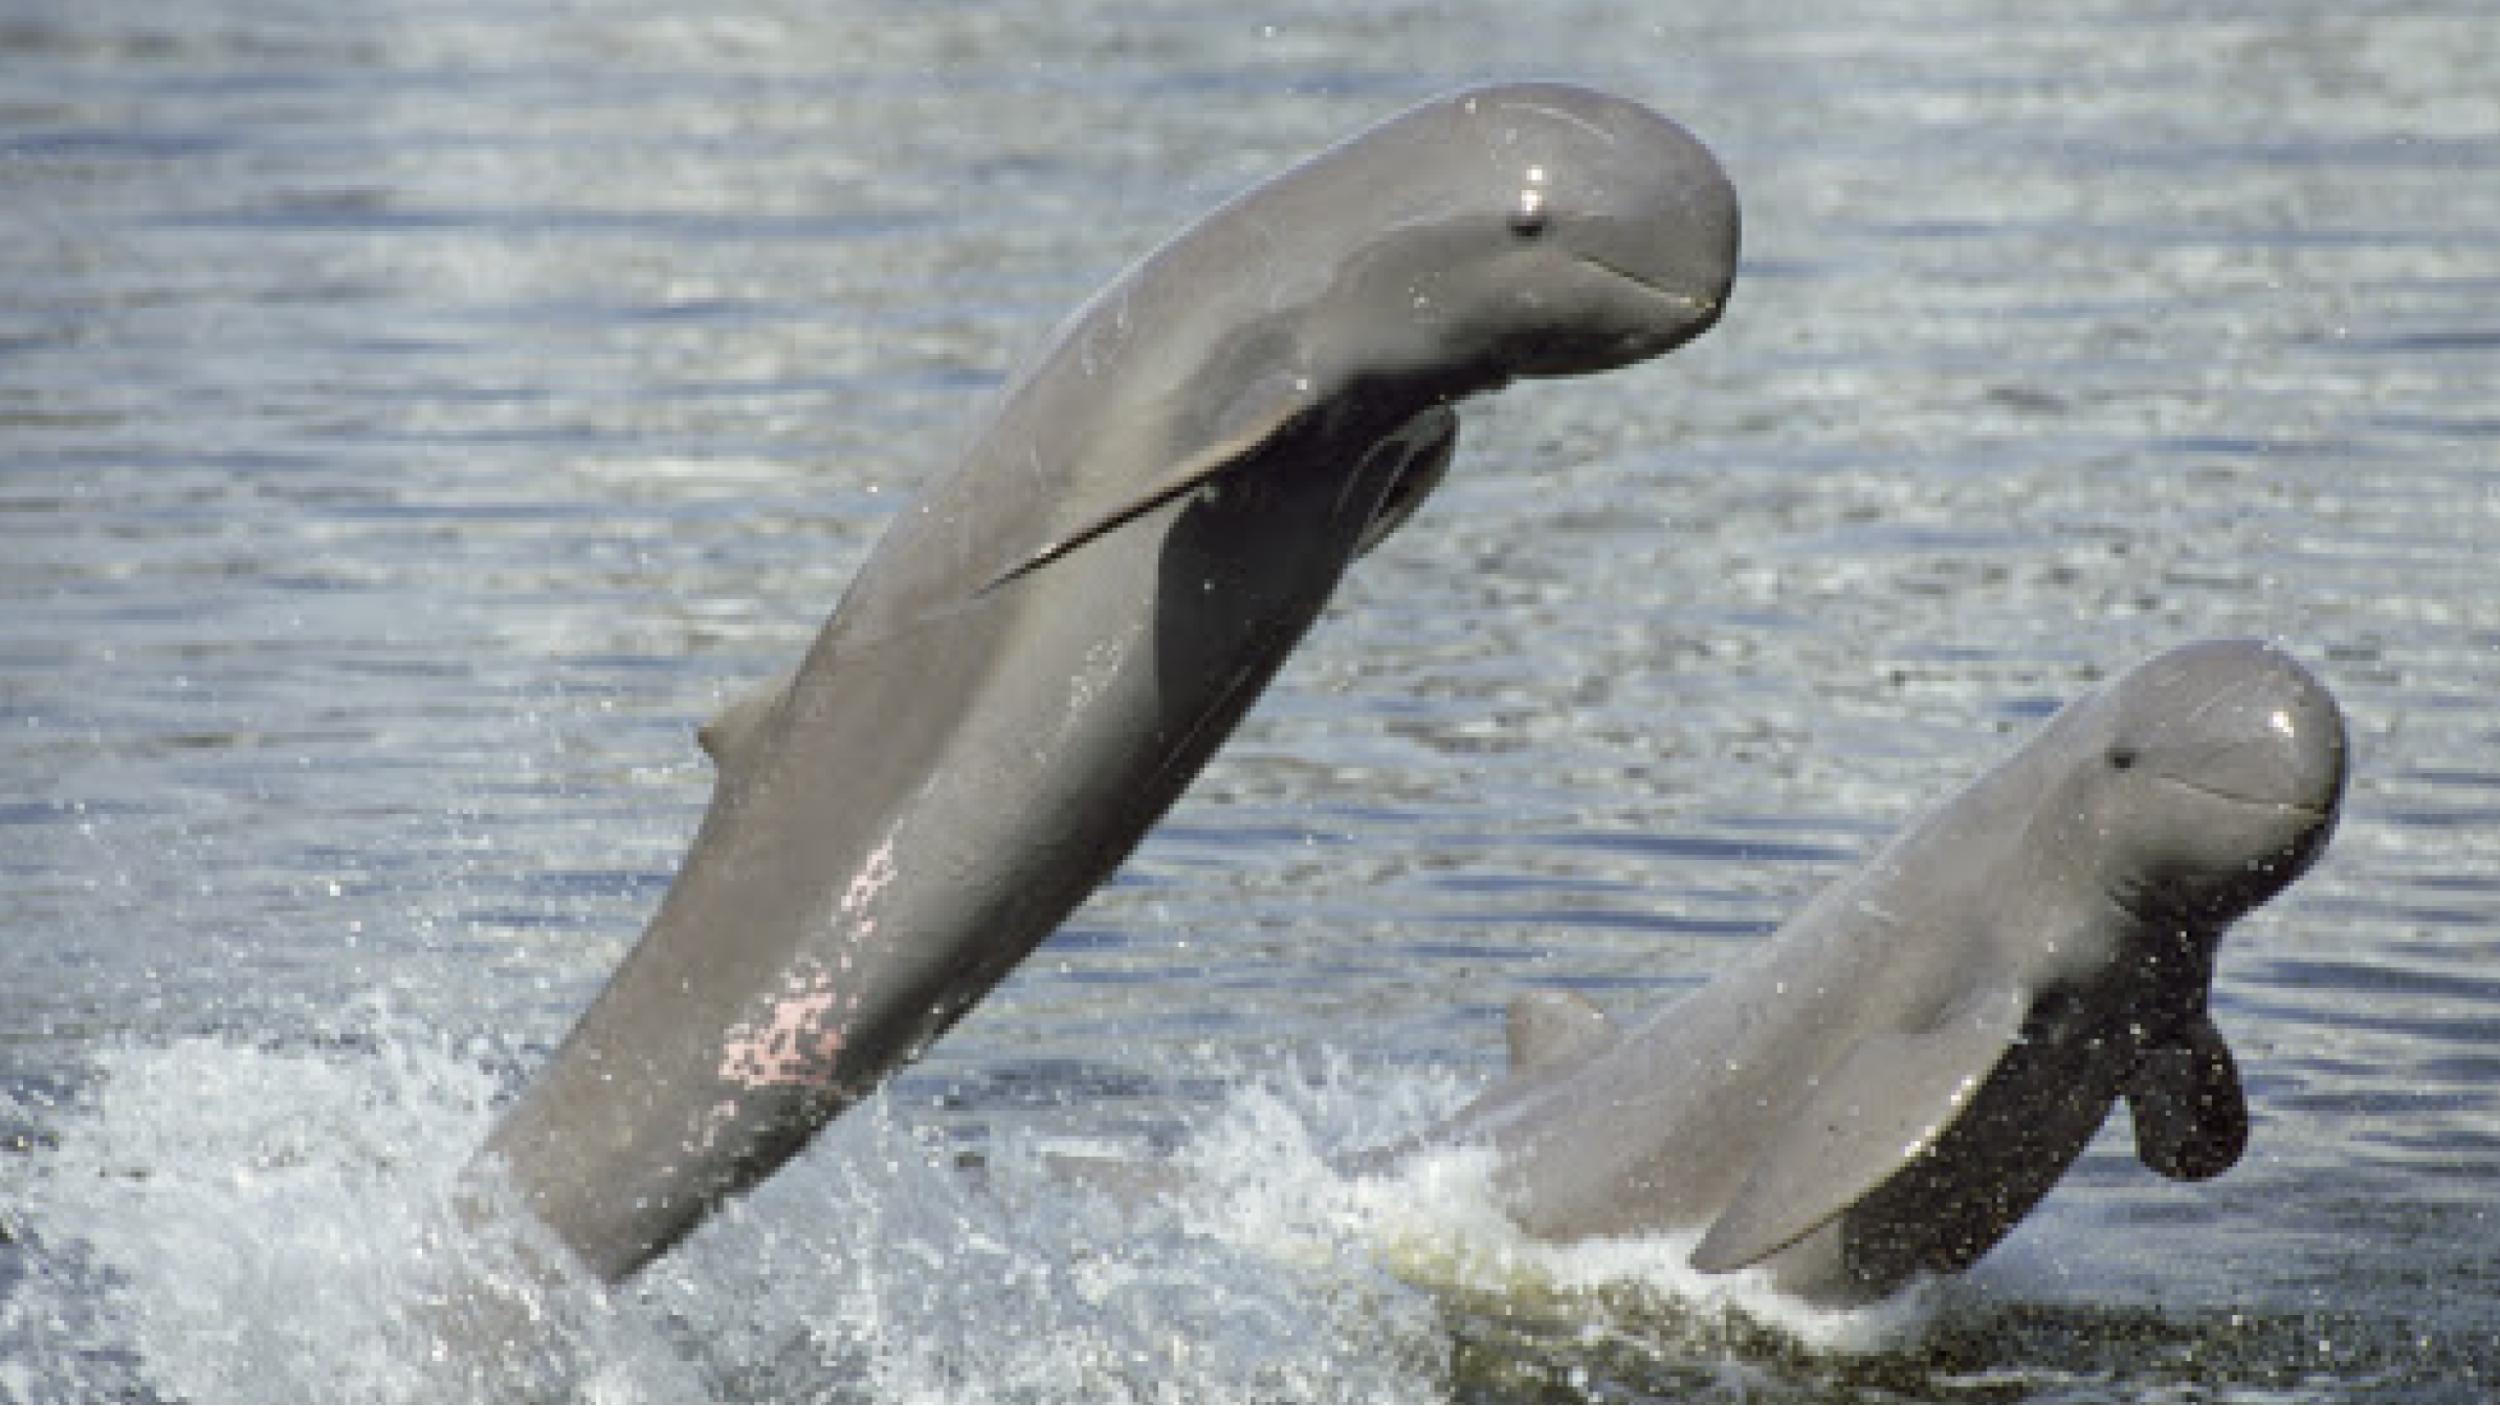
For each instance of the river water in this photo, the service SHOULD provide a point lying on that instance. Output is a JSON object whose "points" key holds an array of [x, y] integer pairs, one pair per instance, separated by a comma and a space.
{"points": [[416, 416]]}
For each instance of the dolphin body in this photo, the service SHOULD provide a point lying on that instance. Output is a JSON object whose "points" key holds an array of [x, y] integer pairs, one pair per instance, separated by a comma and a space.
{"points": [[1911, 1063], [1047, 645]]}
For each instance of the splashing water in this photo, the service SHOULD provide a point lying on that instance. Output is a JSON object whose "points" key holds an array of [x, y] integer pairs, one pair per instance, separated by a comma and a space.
{"points": [[214, 1218], [218, 1219]]}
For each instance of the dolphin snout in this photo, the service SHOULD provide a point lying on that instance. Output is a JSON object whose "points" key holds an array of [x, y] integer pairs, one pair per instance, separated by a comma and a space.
{"points": [[2266, 732], [2307, 729]]}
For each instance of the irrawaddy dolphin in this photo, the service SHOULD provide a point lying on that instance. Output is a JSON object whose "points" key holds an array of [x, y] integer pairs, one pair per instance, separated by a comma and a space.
{"points": [[1911, 1063], [1047, 644]]}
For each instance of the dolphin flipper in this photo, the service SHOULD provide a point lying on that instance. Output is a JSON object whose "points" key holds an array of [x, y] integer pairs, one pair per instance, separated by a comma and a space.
{"points": [[1886, 1102], [2191, 1119], [1257, 421], [1547, 1028], [1428, 441]]}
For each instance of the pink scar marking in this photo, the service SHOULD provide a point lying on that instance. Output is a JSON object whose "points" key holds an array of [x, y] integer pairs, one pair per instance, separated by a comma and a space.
{"points": [[792, 1045], [798, 1042]]}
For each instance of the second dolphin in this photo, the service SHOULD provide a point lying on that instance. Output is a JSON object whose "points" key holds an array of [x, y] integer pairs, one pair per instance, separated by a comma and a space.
{"points": [[1913, 1061]]}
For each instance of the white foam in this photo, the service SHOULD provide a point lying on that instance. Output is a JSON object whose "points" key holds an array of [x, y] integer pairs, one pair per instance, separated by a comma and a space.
{"points": [[1435, 1221], [216, 1219], [222, 1219]]}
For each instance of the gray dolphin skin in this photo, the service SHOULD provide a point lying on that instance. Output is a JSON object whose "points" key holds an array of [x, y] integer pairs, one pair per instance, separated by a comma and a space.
{"points": [[1046, 646], [1912, 1062]]}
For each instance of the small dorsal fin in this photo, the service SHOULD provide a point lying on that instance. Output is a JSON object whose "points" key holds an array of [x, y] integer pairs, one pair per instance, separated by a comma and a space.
{"points": [[1548, 1027], [731, 732]]}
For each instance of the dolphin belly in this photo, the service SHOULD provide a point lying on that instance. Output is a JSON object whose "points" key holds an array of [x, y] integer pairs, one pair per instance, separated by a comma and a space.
{"points": [[915, 820]]}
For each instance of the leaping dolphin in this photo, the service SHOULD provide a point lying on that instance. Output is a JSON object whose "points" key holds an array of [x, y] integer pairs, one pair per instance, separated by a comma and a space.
{"points": [[1915, 1059], [1048, 644]]}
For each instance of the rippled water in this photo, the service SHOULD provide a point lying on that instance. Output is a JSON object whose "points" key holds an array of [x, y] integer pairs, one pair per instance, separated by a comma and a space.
{"points": [[419, 414]]}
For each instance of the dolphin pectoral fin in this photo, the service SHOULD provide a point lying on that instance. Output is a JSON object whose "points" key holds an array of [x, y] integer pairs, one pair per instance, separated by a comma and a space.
{"points": [[2191, 1118], [1886, 1102], [731, 732], [1549, 1027], [1246, 434], [1428, 441]]}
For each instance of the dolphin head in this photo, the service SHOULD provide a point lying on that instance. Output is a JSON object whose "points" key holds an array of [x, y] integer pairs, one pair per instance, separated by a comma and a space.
{"points": [[2212, 778], [1533, 229]]}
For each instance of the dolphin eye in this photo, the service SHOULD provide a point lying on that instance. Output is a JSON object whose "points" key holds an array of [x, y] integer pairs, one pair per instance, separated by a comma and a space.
{"points": [[1529, 217], [2121, 758]]}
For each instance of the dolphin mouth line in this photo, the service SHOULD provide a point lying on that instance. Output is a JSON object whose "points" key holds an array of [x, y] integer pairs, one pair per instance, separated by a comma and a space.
{"points": [[1650, 288], [2315, 812]]}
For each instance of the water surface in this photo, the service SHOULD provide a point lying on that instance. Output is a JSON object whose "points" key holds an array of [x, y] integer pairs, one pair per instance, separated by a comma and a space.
{"points": [[419, 415]]}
